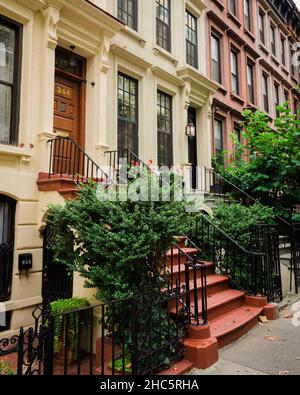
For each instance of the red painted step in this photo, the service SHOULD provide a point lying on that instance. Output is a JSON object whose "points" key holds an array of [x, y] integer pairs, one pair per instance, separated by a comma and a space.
{"points": [[209, 268], [220, 303], [215, 284], [177, 257], [234, 324]]}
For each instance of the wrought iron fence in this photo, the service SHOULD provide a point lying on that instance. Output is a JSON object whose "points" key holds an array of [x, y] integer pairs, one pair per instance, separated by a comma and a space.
{"points": [[139, 335], [67, 158], [212, 182], [255, 271]]}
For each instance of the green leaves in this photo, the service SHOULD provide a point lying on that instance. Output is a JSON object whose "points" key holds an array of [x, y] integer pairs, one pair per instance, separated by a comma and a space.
{"points": [[271, 170]]}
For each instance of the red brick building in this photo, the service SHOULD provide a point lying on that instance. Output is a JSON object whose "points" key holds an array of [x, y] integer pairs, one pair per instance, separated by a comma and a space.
{"points": [[249, 53]]}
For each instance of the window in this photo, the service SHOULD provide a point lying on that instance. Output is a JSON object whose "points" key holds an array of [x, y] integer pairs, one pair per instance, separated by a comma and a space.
{"points": [[292, 53], [219, 137], [234, 72], [261, 24], [250, 80], [7, 231], [127, 113], [216, 58], [247, 11], [238, 136], [191, 40], [163, 24], [233, 7], [283, 61], [265, 92], [276, 98], [164, 129], [286, 96], [127, 13], [273, 40], [10, 62]]}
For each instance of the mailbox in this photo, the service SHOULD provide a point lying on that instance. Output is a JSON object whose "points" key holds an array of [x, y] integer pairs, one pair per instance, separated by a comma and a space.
{"points": [[25, 262]]}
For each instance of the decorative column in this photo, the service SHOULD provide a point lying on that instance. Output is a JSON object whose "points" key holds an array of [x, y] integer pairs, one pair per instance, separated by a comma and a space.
{"points": [[102, 123], [51, 18]]}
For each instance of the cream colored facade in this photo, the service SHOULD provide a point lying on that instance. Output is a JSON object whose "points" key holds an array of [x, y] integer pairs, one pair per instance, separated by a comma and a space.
{"points": [[109, 47]]}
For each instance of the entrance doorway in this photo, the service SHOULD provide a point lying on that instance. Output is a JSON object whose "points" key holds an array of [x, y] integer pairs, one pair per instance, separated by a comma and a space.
{"points": [[69, 108], [192, 147]]}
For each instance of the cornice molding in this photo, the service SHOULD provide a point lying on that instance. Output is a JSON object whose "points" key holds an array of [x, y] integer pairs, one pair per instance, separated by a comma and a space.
{"points": [[33, 5], [165, 75], [128, 55], [197, 79]]}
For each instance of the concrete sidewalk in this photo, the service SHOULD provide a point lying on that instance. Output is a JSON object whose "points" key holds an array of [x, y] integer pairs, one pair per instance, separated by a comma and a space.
{"points": [[271, 348]]}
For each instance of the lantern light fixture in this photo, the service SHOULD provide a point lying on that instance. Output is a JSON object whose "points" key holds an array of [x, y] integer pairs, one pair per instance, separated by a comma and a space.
{"points": [[190, 130]]}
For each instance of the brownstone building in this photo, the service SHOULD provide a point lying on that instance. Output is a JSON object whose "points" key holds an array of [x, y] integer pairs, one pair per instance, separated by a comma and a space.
{"points": [[251, 55]]}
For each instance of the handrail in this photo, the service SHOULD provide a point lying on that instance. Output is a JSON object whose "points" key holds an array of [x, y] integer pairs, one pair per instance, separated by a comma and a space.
{"points": [[243, 192], [68, 157], [252, 271], [245, 251]]}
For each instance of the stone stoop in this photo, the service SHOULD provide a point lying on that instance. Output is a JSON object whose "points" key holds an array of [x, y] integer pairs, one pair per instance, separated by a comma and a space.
{"points": [[231, 314]]}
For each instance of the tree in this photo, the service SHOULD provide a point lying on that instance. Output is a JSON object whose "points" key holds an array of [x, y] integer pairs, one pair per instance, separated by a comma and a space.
{"points": [[271, 170]]}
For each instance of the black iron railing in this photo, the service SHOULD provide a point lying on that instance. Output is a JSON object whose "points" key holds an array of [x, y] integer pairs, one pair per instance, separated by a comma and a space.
{"points": [[289, 237], [255, 271], [122, 162], [67, 158], [187, 279]]}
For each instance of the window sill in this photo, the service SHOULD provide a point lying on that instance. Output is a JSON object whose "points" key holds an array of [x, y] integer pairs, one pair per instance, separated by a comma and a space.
{"points": [[219, 4], [221, 88], [264, 49], [285, 70], [237, 98], [234, 19], [252, 106], [11, 150], [135, 35], [274, 60], [158, 51], [249, 34]]}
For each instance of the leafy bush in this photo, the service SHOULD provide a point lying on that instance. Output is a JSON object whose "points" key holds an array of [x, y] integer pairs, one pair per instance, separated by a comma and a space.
{"points": [[237, 220], [117, 245], [6, 369], [58, 308]]}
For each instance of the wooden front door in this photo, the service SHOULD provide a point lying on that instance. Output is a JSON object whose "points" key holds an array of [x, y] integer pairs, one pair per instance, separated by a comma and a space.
{"points": [[66, 108], [69, 112]]}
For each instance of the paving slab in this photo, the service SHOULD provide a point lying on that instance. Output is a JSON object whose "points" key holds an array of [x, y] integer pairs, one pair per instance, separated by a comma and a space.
{"points": [[270, 348]]}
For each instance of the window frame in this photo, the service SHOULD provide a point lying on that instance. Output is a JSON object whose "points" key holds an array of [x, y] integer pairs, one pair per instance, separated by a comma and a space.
{"points": [[248, 18], [169, 148], [235, 52], [251, 97], [283, 50], [159, 21], [276, 97], [233, 11], [219, 40], [273, 45], [217, 119], [194, 64], [128, 121], [262, 28], [16, 84], [266, 103]]}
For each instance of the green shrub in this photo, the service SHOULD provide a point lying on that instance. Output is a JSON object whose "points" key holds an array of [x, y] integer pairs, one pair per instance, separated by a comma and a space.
{"points": [[237, 220], [117, 246], [6, 369]]}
